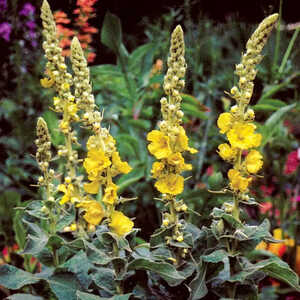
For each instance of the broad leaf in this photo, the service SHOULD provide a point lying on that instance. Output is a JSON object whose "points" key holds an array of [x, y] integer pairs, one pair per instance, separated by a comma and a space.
{"points": [[80, 266], [24, 297], [111, 34], [14, 278], [86, 296], [36, 239], [64, 286], [167, 271], [197, 286]]}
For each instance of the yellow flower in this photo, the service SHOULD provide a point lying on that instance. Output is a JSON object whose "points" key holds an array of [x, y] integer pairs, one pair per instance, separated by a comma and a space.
{"points": [[64, 126], [177, 160], [238, 182], [227, 152], [120, 224], [182, 141], [92, 187], [57, 101], [225, 122], [262, 246], [120, 166], [46, 82], [65, 86], [94, 212], [110, 195], [96, 162], [170, 184], [73, 227], [69, 193], [253, 161], [72, 109], [242, 136], [160, 144], [157, 169]]}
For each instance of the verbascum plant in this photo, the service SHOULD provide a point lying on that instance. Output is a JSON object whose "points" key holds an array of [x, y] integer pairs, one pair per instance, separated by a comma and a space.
{"points": [[230, 240], [76, 104], [169, 142], [238, 123]]}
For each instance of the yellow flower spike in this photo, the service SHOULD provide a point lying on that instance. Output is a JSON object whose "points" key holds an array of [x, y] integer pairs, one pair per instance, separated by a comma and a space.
{"points": [[160, 144], [237, 181], [119, 165], [225, 122], [170, 184], [110, 195], [120, 224], [227, 152], [253, 161], [94, 212]]}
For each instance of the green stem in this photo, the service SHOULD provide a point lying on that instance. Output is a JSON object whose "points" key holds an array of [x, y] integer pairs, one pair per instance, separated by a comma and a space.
{"points": [[55, 257], [118, 283], [236, 210], [277, 43], [288, 50]]}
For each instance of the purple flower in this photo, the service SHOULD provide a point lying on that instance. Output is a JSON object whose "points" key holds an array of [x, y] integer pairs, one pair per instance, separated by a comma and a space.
{"points": [[5, 30], [32, 35], [27, 10], [3, 5], [34, 44], [31, 25]]}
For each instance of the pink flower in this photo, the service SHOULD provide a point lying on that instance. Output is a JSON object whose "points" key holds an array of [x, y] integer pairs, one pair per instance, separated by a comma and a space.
{"points": [[292, 162]]}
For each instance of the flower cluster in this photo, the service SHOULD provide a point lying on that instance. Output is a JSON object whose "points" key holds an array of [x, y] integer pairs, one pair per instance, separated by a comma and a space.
{"points": [[83, 30], [76, 104], [169, 142], [238, 123]]}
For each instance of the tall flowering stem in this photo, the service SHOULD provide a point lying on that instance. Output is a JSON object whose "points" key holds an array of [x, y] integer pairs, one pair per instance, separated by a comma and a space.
{"points": [[169, 142], [75, 103], [238, 123], [59, 78]]}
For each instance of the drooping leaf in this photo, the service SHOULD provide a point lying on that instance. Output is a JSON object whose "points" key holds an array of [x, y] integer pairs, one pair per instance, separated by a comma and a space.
{"points": [[111, 34], [104, 278], [36, 239], [197, 286], [24, 297], [80, 266], [14, 278], [215, 257], [20, 232], [64, 286], [86, 296], [167, 271], [274, 267]]}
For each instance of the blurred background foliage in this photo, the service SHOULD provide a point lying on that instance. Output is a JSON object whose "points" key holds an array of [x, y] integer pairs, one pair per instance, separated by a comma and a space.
{"points": [[127, 77]]}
